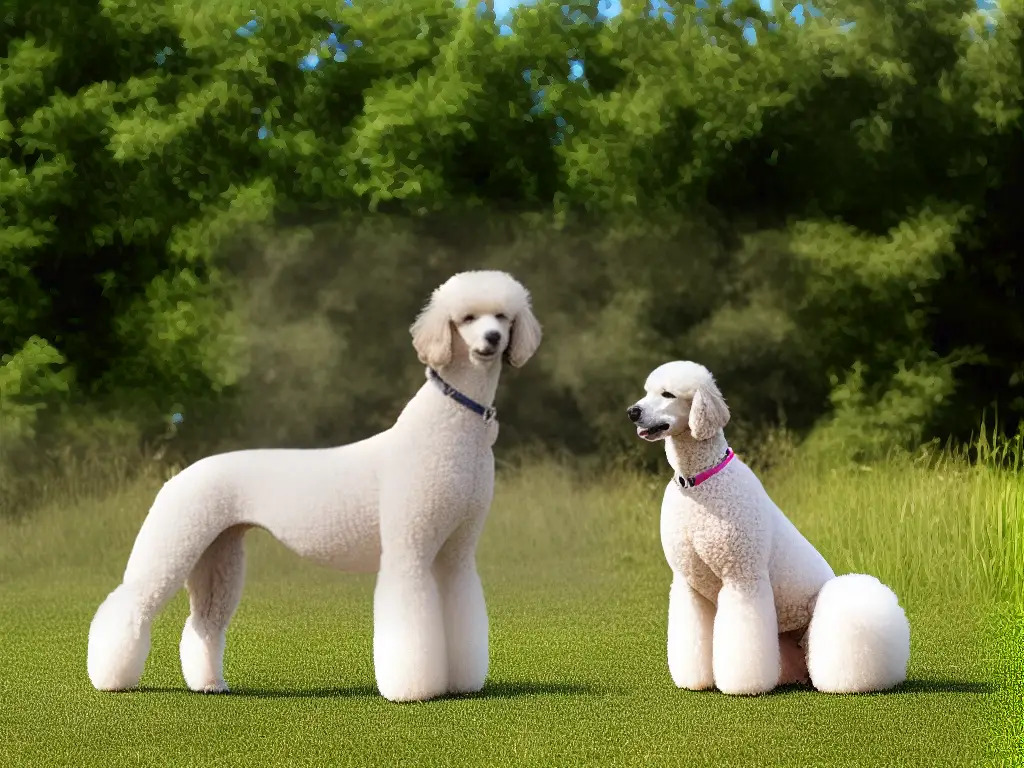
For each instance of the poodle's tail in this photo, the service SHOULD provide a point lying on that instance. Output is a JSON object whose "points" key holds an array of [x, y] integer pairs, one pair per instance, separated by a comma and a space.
{"points": [[118, 641], [859, 638]]}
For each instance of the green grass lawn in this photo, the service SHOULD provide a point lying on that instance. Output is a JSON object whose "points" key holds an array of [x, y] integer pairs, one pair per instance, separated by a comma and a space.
{"points": [[577, 591]]}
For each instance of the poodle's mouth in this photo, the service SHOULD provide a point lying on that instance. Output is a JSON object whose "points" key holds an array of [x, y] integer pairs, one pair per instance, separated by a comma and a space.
{"points": [[651, 433], [486, 354]]}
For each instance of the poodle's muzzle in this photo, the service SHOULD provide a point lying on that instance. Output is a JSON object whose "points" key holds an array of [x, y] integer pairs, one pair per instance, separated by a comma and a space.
{"points": [[644, 426], [492, 340]]}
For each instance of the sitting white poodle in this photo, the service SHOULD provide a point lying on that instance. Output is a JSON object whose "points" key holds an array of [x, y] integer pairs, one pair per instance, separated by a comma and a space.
{"points": [[752, 604], [408, 503]]}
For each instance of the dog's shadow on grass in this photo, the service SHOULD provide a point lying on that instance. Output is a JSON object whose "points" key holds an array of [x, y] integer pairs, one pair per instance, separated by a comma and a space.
{"points": [[521, 689], [496, 690], [908, 686], [524, 689], [943, 686]]}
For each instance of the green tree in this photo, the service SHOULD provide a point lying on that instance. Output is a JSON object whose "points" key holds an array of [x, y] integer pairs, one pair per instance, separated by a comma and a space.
{"points": [[828, 218]]}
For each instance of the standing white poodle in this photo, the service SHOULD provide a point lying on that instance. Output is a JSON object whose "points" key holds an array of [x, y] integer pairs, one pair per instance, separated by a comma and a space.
{"points": [[408, 503], [752, 604]]}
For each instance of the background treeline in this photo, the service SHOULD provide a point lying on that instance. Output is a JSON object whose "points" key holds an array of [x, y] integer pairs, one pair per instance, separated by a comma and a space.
{"points": [[218, 218]]}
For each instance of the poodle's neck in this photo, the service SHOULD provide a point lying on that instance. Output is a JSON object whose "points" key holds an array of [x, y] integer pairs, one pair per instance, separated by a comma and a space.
{"points": [[477, 382], [689, 457]]}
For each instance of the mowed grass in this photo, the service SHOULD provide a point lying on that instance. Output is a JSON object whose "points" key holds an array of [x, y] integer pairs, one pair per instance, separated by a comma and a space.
{"points": [[577, 591]]}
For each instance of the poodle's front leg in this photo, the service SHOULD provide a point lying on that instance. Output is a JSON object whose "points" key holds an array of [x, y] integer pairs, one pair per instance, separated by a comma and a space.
{"points": [[691, 621], [409, 655], [465, 612], [746, 638]]}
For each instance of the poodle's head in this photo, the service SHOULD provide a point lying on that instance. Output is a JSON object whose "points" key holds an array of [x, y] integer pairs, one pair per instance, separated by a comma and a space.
{"points": [[490, 314], [682, 400]]}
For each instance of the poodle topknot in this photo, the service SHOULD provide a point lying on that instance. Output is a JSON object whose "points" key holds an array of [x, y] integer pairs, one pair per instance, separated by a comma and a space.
{"points": [[465, 298]]}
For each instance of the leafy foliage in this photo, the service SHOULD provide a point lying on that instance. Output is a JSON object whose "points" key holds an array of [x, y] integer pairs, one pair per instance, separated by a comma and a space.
{"points": [[233, 211]]}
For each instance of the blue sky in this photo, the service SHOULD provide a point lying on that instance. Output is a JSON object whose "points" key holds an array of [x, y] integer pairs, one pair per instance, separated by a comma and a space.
{"points": [[614, 7], [608, 7]]}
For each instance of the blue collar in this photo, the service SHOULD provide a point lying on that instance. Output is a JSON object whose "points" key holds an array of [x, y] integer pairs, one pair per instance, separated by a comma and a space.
{"points": [[488, 413]]}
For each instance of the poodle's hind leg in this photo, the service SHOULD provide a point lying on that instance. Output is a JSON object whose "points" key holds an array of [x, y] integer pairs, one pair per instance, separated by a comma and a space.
{"points": [[746, 639], [464, 610], [691, 622], [793, 659], [119, 636], [858, 640], [214, 590], [410, 659]]}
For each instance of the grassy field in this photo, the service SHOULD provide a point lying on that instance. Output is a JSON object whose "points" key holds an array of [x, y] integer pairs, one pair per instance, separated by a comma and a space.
{"points": [[577, 592]]}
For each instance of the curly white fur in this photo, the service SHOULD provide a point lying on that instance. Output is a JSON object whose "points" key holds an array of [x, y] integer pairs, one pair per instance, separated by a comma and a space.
{"points": [[408, 503], [752, 603]]}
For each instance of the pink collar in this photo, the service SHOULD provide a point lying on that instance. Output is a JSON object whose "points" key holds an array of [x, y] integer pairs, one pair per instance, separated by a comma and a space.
{"points": [[707, 474]]}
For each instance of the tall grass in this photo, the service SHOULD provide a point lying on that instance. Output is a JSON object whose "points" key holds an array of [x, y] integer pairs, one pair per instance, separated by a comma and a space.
{"points": [[92, 455], [938, 530]]}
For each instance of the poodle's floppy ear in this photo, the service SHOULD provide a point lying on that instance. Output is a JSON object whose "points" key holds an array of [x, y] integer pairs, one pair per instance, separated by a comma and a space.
{"points": [[432, 335], [708, 412], [524, 337]]}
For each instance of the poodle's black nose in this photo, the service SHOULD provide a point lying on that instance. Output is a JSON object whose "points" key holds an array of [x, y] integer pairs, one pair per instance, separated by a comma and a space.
{"points": [[633, 412], [492, 338]]}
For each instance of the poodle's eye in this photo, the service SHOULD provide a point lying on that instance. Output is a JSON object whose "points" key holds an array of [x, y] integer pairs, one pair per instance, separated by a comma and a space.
{"points": [[469, 318], [501, 316], [669, 395]]}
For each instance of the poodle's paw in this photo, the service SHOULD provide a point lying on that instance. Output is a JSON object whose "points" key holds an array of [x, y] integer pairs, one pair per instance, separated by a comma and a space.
{"points": [[118, 642], [695, 684], [217, 686], [467, 681], [691, 668], [735, 685], [407, 674], [202, 659], [462, 690], [690, 664], [746, 669], [692, 677], [467, 672], [414, 689]]}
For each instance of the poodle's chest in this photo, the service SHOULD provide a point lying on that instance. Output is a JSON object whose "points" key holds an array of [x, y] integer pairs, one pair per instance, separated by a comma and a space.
{"points": [[697, 573], [677, 539], [706, 545], [459, 477]]}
